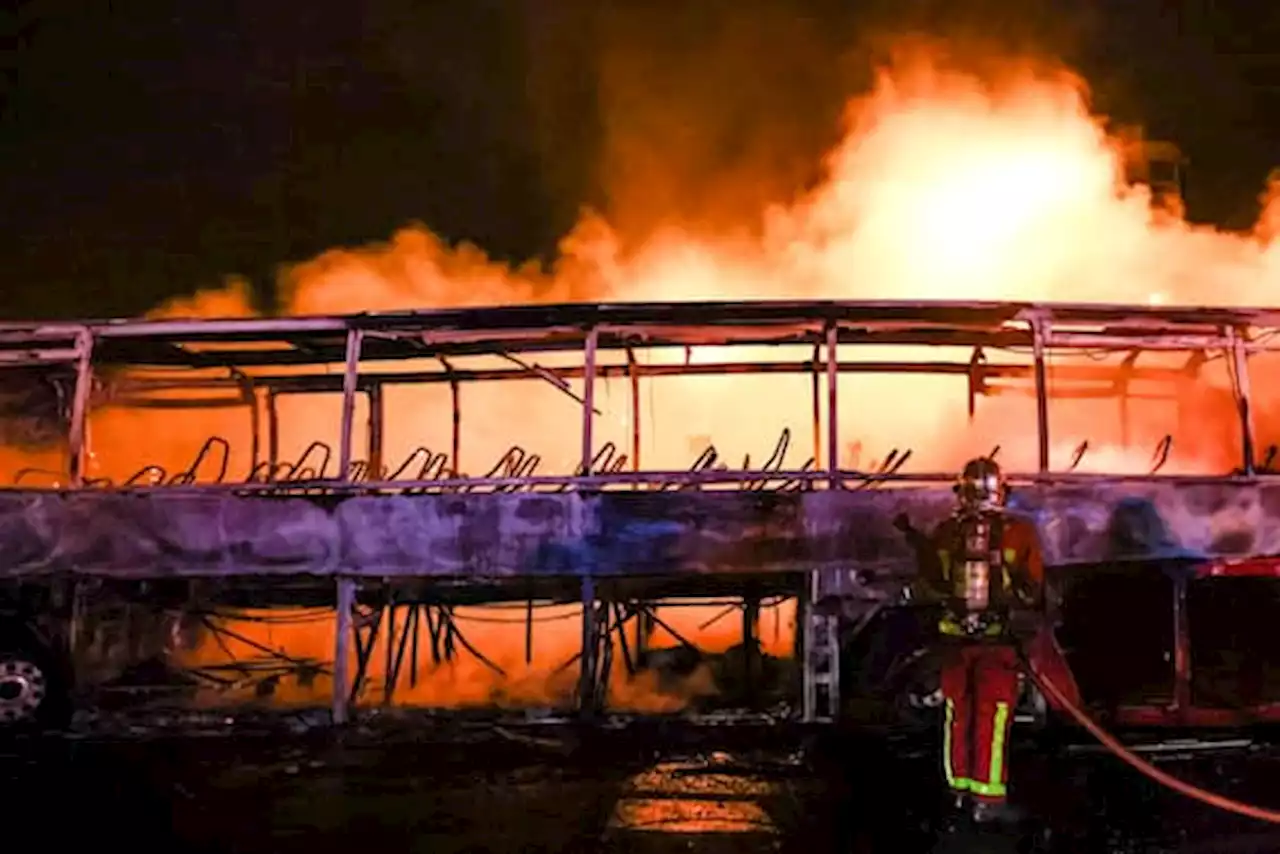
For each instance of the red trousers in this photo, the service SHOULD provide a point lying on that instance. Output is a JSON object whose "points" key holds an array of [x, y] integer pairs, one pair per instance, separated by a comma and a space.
{"points": [[980, 690]]}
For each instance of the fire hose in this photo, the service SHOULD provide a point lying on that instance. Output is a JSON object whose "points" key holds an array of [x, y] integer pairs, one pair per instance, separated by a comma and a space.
{"points": [[1111, 743]]}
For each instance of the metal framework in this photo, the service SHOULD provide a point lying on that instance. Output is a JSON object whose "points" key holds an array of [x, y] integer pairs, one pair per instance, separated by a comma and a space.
{"points": [[253, 362], [252, 353]]}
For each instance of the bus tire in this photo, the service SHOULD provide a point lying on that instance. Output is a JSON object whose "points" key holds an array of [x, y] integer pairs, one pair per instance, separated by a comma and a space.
{"points": [[33, 691]]}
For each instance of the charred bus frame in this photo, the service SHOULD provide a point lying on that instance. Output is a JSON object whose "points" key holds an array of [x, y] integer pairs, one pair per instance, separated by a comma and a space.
{"points": [[511, 333]]}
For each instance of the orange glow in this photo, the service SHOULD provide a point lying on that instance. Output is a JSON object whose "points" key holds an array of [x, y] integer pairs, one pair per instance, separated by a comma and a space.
{"points": [[466, 681], [686, 797], [947, 184]]}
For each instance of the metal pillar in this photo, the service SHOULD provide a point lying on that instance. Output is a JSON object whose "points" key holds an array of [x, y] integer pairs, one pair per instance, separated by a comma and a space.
{"points": [[817, 404], [342, 650], [833, 419], [77, 442], [750, 658], [1039, 337], [819, 657], [273, 434], [350, 376], [644, 630], [375, 438], [528, 632], [589, 401], [632, 369], [255, 418], [1240, 367], [587, 675], [587, 678]]}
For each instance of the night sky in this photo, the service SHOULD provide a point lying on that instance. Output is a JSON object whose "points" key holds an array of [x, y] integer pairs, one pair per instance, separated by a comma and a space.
{"points": [[152, 147]]}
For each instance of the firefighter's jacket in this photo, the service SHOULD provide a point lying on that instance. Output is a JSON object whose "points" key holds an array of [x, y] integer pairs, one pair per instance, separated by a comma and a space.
{"points": [[1020, 574]]}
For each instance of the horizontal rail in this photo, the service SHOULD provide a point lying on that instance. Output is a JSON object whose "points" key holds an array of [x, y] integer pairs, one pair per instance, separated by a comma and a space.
{"points": [[331, 352], [301, 383], [331, 383], [719, 312], [663, 480], [633, 324]]}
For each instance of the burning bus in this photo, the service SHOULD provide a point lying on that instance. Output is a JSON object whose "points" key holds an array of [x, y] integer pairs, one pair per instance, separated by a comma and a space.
{"points": [[257, 513]]}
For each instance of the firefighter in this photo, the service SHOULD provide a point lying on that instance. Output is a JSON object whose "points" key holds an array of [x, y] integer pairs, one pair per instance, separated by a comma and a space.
{"points": [[986, 567]]}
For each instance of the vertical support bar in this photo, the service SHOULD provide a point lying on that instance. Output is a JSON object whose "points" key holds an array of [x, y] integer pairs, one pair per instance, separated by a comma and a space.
{"points": [[805, 641], [833, 417], [455, 441], [587, 676], [1240, 366], [1039, 337], [632, 369], [589, 400], [376, 420], [817, 406], [77, 434], [342, 649], [528, 631], [255, 419], [455, 406], [644, 628], [750, 624], [1123, 384], [350, 377], [389, 673], [273, 433], [415, 618]]}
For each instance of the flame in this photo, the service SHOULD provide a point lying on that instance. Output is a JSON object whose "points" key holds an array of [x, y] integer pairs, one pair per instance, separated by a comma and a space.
{"points": [[947, 183]]}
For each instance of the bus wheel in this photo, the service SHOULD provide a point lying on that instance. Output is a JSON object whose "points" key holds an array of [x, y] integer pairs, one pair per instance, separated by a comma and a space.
{"points": [[24, 689], [31, 692]]}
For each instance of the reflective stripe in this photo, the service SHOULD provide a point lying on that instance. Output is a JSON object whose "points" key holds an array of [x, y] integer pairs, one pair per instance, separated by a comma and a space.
{"points": [[948, 626], [997, 745], [995, 787], [987, 790], [954, 782], [1010, 555]]}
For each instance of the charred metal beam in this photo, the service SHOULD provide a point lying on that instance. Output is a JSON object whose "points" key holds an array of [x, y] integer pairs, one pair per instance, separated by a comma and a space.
{"points": [[633, 374], [355, 341], [293, 384], [533, 327], [657, 479], [589, 400], [833, 414], [1241, 391], [384, 350], [376, 430], [77, 440], [1040, 334], [346, 592], [587, 671]]}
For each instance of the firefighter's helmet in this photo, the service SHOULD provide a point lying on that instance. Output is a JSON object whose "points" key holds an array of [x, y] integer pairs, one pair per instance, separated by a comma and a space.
{"points": [[981, 485]]}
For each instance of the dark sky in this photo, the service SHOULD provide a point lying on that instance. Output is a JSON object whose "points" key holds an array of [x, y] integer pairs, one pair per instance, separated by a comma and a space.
{"points": [[151, 147]]}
